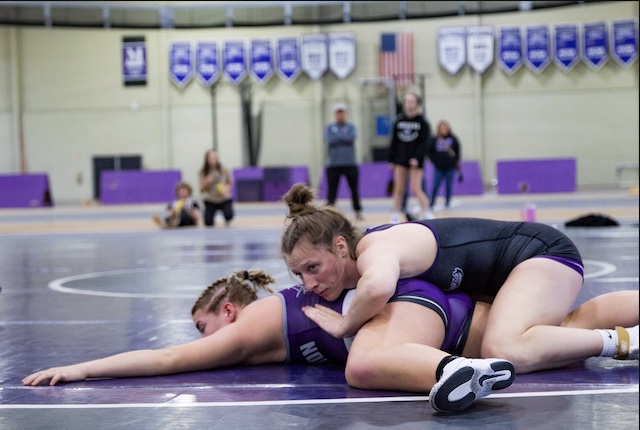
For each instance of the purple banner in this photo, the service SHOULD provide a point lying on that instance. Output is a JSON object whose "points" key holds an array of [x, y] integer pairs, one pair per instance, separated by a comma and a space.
{"points": [[180, 67], [566, 53], [261, 60], [594, 43], [207, 64], [235, 67], [288, 58], [134, 61], [510, 49], [537, 52], [624, 42]]}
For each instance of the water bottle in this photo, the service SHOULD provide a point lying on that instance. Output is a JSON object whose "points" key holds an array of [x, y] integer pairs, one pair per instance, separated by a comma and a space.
{"points": [[528, 212]]}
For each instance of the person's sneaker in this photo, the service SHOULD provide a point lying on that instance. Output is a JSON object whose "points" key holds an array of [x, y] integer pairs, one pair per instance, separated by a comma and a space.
{"points": [[464, 381], [395, 218], [627, 343], [359, 216], [428, 214]]}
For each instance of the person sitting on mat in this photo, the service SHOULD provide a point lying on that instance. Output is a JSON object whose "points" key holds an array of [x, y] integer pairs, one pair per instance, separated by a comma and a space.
{"points": [[237, 329], [182, 212]]}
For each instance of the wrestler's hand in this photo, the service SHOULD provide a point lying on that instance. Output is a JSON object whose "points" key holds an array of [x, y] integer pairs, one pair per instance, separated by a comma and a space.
{"points": [[55, 375], [328, 319]]}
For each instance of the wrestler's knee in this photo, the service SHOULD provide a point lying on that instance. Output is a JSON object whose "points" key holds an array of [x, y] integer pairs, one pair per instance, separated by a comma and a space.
{"points": [[507, 349], [360, 371]]}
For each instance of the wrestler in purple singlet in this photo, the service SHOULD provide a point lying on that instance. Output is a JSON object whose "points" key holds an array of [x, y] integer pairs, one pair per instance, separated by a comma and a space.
{"points": [[308, 343]]}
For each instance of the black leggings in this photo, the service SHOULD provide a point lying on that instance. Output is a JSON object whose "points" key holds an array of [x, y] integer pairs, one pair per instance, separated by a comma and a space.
{"points": [[210, 209]]}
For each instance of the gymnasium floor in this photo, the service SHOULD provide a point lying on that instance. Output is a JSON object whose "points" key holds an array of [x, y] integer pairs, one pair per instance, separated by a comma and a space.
{"points": [[80, 283]]}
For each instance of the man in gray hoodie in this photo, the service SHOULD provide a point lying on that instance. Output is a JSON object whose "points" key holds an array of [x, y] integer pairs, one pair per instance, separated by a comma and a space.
{"points": [[340, 139]]}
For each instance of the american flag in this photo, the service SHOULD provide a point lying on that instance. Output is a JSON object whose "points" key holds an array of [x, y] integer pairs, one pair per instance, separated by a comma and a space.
{"points": [[396, 57]]}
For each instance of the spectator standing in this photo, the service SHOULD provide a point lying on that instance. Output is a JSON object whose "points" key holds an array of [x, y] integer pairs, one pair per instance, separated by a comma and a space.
{"points": [[340, 139], [215, 186], [409, 141], [444, 153]]}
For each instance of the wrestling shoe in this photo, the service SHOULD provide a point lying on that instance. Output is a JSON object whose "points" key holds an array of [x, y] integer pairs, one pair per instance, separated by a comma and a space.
{"points": [[464, 381], [395, 218], [428, 214], [627, 348]]}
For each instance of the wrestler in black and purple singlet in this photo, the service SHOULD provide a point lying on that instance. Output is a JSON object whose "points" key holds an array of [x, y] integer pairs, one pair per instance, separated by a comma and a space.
{"points": [[475, 256]]}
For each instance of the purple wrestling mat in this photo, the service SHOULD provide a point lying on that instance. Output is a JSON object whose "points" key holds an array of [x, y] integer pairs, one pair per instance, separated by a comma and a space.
{"points": [[73, 297]]}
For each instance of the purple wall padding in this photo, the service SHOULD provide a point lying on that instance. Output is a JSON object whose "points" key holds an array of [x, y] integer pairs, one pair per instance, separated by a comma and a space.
{"points": [[537, 176], [374, 178], [138, 186], [247, 184], [25, 191], [266, 183]]}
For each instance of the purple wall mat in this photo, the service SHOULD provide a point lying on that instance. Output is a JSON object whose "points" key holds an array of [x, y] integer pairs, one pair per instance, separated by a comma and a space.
{"points": [[25, 191], [266, 183], [135, 186], [537, 176], [374, 178]]}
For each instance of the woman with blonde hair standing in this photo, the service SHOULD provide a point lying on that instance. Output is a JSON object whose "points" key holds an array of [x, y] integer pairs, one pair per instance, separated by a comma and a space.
{"points": [[409, 141]]}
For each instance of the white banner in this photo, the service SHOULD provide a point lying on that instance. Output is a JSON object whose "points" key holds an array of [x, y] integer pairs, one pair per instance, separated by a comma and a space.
{"points": [[314, 55], [451, 48], [480, 48], [342, 54]]}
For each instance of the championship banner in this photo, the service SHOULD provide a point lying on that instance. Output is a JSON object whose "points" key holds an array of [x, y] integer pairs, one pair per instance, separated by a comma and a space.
{"points": [[314, 55], [537, 53], [207, 64], [451, 48], [480, 48], [288, 58], [134, 61], [180, 65], [594, 45], [261, 60], [566, 51], [233, 61], [510, 49], [342, 54], [624, 42]]}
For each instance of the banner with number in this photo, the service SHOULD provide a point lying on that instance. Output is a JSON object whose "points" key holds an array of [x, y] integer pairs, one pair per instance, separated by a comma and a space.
{"points": [[207, 64], [594, 45], [261, 60], [233, 60], [342, 54], [510, 49], [180, 63], [451, 48], [314, 55], [480, 48], [537, 50], [624, 42], [288, 58], [566, 51]]}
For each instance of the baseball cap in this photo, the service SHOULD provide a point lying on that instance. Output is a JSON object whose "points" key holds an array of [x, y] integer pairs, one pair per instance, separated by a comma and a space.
{"points": [[340, 107]]}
